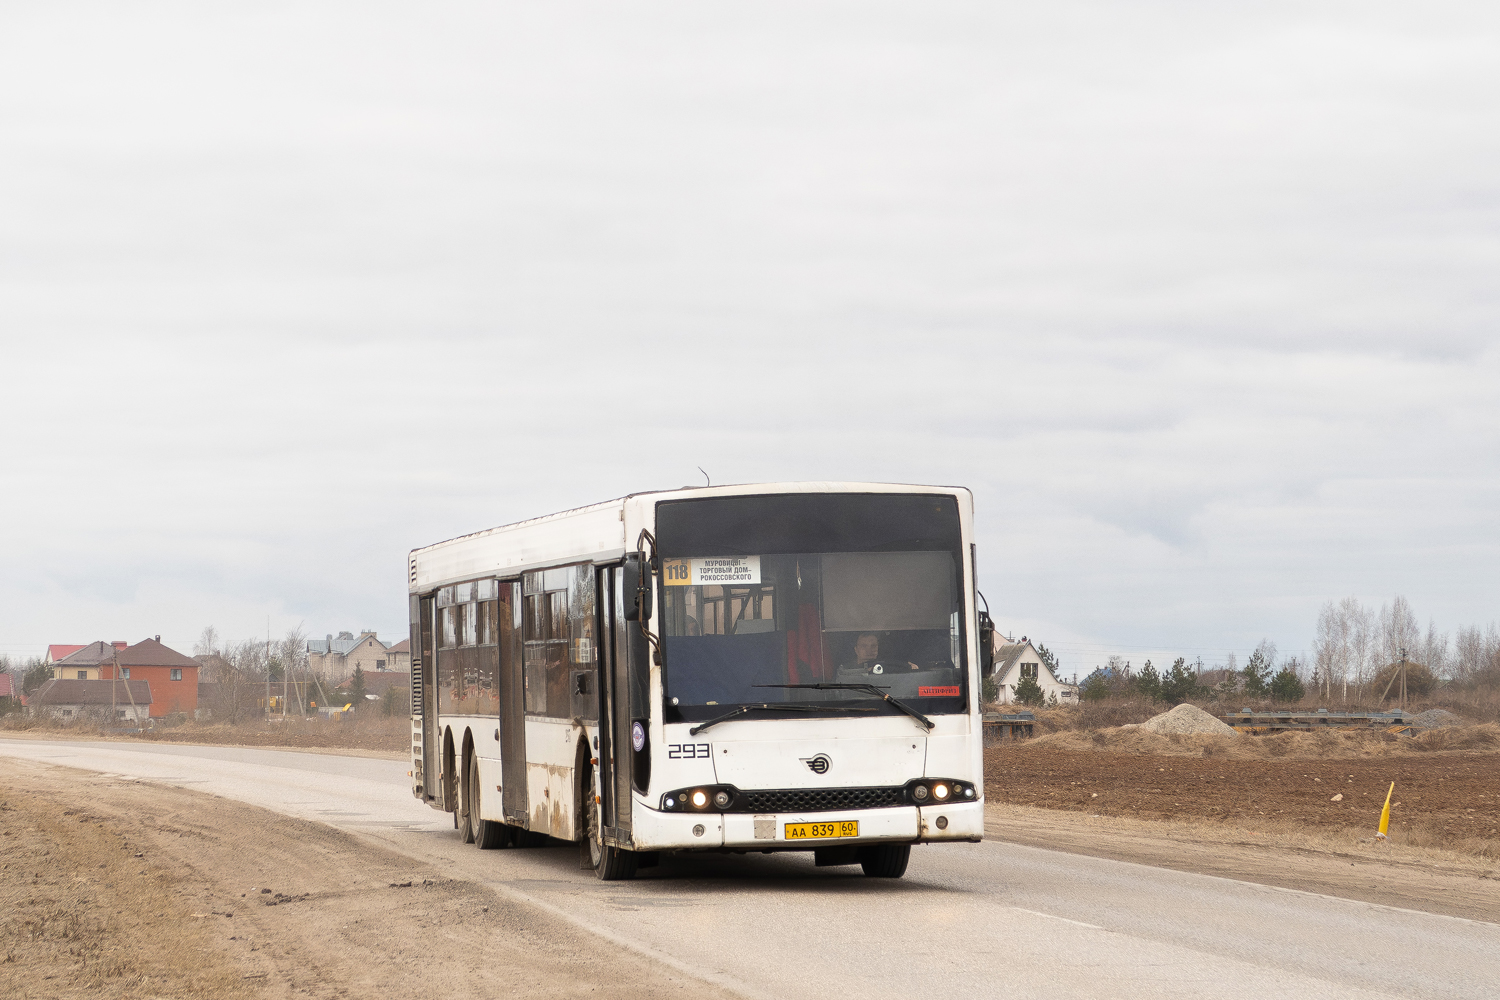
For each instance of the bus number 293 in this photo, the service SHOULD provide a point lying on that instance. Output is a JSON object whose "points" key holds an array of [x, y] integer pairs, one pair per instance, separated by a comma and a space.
{"points": [[688, 751]]}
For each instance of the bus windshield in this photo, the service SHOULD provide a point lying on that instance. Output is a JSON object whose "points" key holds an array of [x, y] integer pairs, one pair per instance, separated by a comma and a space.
{"points": [[763, 592]]}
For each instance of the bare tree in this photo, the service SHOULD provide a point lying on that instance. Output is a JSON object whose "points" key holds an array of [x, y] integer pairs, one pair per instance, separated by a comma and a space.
{"points": [[1362, 643], [291, 652], [1434, 651], [1398, 630], [1473, 651], [1331, 649]]}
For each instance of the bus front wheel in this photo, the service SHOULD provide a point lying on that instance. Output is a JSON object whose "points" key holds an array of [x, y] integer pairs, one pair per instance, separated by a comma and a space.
{"points": [[885, 860], [611, 864]]}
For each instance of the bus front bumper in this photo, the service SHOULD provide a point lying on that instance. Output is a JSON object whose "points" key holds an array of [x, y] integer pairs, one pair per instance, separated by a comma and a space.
{"points": [[659, 831]]}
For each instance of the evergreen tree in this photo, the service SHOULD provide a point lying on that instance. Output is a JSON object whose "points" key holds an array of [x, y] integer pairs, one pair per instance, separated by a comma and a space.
{"points": [[1029, 692], [1180, 683], [1286, 686], [357, 688], [1257, 674], [1095, 687], [1148, 682], [1049, 658]]}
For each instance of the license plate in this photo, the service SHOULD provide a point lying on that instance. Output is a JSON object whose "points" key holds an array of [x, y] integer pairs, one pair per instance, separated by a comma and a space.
{"points": [[822, 831]]}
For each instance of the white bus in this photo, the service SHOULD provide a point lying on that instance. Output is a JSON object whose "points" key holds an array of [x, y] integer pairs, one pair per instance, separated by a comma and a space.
{"points": [[762, 668]]}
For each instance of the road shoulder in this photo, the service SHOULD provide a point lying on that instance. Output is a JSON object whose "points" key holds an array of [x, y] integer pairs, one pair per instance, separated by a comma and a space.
{"points": [[1430, 881], [232, 900]]}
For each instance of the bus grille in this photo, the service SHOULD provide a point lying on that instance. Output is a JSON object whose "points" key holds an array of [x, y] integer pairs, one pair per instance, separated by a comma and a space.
{"points": [[821, 799]]}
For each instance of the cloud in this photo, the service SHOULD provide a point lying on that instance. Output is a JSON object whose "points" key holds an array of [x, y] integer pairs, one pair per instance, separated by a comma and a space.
{"points": [[1200, 302]]}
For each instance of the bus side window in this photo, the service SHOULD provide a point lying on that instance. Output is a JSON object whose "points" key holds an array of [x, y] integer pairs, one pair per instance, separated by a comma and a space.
{"points": [[583, 690]]}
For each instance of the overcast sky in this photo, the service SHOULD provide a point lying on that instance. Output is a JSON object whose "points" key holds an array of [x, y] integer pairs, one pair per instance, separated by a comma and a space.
{"points": [[1201, 300]]}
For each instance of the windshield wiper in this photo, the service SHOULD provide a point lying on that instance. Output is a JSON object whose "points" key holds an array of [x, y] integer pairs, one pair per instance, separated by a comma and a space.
{"points": [[870, 688], [773, 708]]}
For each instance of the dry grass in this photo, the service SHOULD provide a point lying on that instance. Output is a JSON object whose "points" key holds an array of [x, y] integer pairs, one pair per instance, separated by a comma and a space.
{"points": [[356, 732]]}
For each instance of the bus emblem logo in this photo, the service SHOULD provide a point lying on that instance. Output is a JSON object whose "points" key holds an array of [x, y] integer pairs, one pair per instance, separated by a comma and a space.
{"points": [[819, 764]]}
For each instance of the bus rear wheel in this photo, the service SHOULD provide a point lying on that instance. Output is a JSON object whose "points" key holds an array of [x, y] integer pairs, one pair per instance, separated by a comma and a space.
{"points": [[461, 814], [610, 864], [488, 834], [885, 860]]}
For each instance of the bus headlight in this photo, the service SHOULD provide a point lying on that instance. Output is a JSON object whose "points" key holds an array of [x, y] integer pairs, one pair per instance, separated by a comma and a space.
{"points": [[925, 791], [704, 798]]}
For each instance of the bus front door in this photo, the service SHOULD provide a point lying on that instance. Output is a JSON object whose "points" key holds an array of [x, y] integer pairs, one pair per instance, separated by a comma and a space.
{"points": [[614, 713], [513, 797]]}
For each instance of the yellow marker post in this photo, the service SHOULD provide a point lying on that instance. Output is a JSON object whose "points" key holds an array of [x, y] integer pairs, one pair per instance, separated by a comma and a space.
{"points": [[1385, 813]]}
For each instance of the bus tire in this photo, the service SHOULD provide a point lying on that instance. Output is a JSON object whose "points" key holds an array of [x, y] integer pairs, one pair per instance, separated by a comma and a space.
{"points": [[885, 860], [610, 864], [465, 790], [488, 834]]}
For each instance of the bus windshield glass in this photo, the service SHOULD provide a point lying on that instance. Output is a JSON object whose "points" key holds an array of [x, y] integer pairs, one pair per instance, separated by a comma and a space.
{"points": [[763, 595]]}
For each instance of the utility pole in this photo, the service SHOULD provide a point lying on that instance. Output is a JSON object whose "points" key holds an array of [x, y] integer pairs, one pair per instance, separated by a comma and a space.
{"points": [[1403, 679]]}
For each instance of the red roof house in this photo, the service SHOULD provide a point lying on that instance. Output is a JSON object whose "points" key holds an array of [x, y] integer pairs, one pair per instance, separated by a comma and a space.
{"points": [[172, 676]]}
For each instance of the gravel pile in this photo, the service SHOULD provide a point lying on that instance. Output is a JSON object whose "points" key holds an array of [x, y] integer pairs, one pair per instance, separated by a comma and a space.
{"points": [[1436, 717], [1187, 719]]}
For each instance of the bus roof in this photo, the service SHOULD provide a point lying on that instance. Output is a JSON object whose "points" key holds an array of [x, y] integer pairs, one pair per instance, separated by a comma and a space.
{"points": [[596, 533]]}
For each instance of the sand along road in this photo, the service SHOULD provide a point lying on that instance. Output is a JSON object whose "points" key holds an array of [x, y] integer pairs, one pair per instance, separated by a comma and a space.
{"points": [[991, 919]]}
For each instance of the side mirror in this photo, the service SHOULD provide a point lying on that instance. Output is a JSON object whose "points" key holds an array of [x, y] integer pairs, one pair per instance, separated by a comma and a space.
{"points": [[986, 644], [637, 591]]}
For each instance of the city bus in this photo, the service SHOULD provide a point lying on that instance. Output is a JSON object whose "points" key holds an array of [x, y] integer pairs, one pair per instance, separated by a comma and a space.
{"points": [[749, 669]]}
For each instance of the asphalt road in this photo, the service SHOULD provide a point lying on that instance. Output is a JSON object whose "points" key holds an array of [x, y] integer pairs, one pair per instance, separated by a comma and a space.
{"points": [[991, 919]]}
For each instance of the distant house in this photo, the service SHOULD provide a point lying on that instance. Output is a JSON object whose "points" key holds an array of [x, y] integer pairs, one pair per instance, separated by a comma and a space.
{"points": [[398, 656], [72, 699], [338, 656], [83, 663], [7, 689], [173, 677], [1017, 660]]}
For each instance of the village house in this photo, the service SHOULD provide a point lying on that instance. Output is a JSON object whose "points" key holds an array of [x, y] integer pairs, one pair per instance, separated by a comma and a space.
{"points": [[336, 657], [82, 663], [1017, 660], [173, 677], [71, 700]]}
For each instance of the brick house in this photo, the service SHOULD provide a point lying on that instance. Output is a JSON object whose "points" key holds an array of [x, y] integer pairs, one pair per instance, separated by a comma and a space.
{"points": [[173, 677], [70, 699]]}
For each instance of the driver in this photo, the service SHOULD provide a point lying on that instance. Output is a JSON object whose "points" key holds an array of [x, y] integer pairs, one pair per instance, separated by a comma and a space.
{"points": [[867, 656]]}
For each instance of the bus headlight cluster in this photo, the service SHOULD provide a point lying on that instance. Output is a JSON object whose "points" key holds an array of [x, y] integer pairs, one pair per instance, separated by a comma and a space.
{"points": [[705, 798], [938, 790]]}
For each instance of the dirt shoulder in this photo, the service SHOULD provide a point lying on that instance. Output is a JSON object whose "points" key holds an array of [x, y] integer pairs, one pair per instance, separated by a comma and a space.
{"points": [[1430, 880], [1300, 813], [119, 889]]}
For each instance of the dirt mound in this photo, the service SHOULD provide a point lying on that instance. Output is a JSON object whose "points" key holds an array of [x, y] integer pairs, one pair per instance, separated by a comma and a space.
{"points": [[1186, 719], [1435, 717]]}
